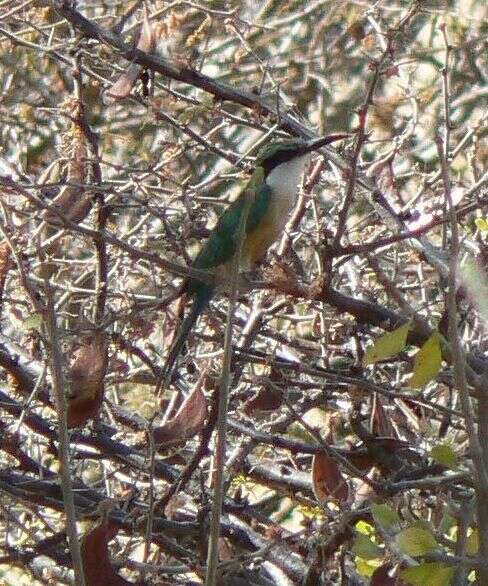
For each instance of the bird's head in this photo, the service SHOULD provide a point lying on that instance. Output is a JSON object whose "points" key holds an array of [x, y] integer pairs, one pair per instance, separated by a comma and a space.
{"points": [[284, 151]]}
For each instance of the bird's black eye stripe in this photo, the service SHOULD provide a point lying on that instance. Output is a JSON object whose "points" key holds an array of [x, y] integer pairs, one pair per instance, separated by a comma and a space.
{"points": [[283, 156]]}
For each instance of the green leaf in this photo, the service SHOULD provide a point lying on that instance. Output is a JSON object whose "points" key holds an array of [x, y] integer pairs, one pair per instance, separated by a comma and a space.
{"points": [[415, 541], [445, 455], [447, 525], [481, 224], [296, 431], [364, 527], [33, 322], [316, 418], [366, 567], [432, 573], [428, 361], [472, 545], [365, 548], [389, 344], [423, 524], [386, 517]]}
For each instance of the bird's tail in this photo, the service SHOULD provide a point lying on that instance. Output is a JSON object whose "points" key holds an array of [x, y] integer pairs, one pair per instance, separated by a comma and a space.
{"points": [[200, 302]]}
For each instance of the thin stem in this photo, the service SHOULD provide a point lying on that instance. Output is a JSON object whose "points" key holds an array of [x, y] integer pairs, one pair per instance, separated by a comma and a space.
{"points": [[458, 357], [221, 427], [58, 385], [459, 365]]}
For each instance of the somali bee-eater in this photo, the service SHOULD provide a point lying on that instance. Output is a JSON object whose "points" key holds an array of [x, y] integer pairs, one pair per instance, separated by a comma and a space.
{"points": [[272, 191]]}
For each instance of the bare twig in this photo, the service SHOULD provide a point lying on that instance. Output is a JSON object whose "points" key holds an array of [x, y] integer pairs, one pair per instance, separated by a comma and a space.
{"points": [[221, 426]]}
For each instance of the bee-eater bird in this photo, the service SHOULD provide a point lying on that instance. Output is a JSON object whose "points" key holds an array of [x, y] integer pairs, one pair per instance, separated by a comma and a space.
{"points": [[267, 199]]}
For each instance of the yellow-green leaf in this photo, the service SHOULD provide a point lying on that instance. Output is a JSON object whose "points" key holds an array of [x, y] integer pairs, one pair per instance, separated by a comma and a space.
{"points": [[447, 525], [415, 541], [432, 573], [445, 455], [423, 524], [33, 322], [481, 224], [386, 517], [365, 548], [472, 545], [366, 567], [387, 345], [316, 418], [297, 431], [364, 527], [428, 362]]}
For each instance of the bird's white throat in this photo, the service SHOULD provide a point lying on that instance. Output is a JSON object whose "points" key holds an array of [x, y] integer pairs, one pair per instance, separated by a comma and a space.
{"points": [[284, 178]]}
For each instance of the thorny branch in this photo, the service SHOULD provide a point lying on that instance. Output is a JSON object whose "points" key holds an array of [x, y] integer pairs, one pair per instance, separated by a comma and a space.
{"points": [[103, 204]]}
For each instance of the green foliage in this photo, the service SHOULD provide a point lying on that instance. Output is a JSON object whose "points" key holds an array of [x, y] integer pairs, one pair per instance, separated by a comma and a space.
{"points": [[388, 345], [364, 547], [431, 574], [447, 525], [365, 528], [445, 455], [315, 418], [415, 541], [428, 362], [481, 224], [366, 567], [473, 545], [33, 322], [386, 517]]}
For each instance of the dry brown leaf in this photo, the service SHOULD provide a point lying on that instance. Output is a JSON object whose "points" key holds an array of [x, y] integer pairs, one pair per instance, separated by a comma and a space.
{"points": [[122, 87], [382, 423], [327, 479], [147, 38], [5, 261], [6, 264], [73, 202], [187, 422], [97, 567], [268, 398], [86, 378]]}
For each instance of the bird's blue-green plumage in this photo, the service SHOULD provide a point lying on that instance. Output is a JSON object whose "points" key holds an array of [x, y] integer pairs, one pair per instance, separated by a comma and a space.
{"points": [[219, 249], [264, 223], [222, 243]]}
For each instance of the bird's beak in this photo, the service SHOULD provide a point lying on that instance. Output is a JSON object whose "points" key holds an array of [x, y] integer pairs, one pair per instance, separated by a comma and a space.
{"points": [[316, 143]]}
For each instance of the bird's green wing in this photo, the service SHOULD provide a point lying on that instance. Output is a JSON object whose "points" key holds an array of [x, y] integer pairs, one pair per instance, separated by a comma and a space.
{"points": [[222, 243], [219, 248]]}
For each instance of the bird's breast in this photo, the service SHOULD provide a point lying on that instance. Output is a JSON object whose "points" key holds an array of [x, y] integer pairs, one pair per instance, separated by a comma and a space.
{"points": [[268, 231], [283, 181]]}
